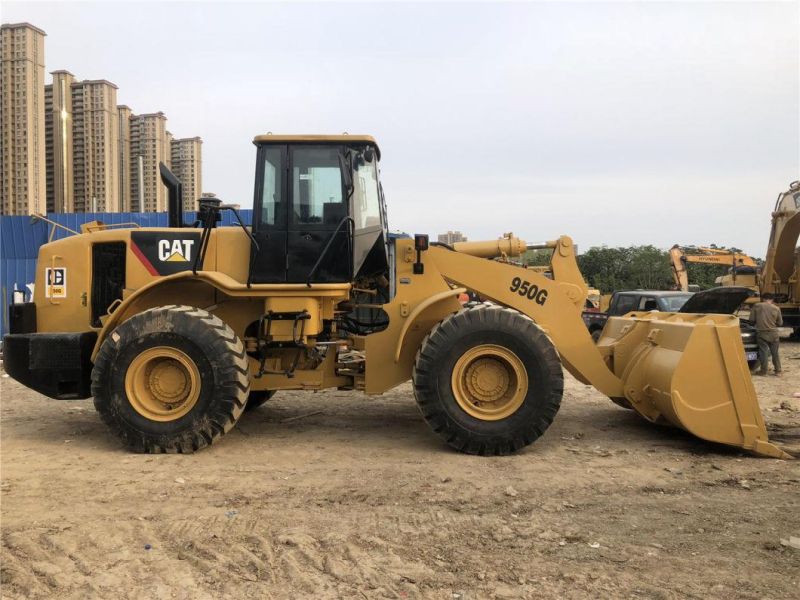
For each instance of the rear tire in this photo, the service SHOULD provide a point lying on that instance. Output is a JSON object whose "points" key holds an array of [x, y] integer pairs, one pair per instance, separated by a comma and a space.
{"points": [[171, 379], [488, 380], [258, 398]]}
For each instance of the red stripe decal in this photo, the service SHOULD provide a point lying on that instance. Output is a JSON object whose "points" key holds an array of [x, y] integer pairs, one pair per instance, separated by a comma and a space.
{"points": [[143, 259]]}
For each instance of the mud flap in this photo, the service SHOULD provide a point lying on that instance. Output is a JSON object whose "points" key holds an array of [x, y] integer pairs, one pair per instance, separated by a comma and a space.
{"points": [[689, 370]]}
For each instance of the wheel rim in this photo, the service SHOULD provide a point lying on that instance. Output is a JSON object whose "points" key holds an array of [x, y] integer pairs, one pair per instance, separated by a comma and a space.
{"points": [[162, 384], [489, 382]]}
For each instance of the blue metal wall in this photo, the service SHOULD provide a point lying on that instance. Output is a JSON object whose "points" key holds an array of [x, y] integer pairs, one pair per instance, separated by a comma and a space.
{"points": [[20, 238]]}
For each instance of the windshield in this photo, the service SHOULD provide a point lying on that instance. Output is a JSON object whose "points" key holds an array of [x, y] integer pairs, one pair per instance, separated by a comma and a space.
{"points": [[674, 303]]}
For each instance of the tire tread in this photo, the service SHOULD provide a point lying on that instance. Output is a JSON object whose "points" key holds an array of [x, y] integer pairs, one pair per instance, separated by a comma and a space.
{"points": [[483, 316]]}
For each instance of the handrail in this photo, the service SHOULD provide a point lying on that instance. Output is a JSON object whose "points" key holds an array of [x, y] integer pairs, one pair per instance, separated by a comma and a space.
{"points": [[104, 226], [36, 217]]}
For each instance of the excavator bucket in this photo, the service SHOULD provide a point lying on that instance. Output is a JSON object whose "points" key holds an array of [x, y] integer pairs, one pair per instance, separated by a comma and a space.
{"points": [[688, 370]]}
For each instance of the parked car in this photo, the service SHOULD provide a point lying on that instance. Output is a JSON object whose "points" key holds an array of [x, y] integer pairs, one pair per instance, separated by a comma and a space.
{"points": [[720, 300]]}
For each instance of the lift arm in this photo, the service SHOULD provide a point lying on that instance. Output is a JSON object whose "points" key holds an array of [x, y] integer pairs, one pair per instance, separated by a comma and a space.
{"points": [[554, 304]]}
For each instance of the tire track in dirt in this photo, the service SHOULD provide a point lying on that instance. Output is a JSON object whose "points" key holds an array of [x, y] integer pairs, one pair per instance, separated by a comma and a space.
{"points": [[219, 554]]}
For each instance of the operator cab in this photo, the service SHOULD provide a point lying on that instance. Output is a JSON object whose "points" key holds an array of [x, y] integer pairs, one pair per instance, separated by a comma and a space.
{"points": [[319, 212]]}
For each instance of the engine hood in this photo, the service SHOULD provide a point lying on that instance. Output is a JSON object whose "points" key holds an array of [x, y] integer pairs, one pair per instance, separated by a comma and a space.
{"points": [[718, 300]]}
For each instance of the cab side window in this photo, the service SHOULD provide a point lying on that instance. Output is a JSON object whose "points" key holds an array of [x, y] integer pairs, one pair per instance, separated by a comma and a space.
{"points": [[366, 199], [273, 210]]}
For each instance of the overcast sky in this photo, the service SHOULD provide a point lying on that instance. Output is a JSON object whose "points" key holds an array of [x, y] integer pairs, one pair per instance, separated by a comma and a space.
{"points": [[615, 123]]}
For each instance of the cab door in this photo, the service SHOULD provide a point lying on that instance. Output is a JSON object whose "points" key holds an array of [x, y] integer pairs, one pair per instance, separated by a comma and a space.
{"points": [[319, 236]]}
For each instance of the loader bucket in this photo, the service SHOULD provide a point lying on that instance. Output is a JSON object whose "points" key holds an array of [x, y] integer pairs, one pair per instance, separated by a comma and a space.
{"points": [[688, 370]]}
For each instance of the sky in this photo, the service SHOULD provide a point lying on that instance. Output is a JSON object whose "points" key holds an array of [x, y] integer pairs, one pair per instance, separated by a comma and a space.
{"points": [[616, 123]]}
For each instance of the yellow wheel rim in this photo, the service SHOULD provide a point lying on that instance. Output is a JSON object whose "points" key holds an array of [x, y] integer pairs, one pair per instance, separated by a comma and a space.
{"points": [[162, 384], [489, 382]]}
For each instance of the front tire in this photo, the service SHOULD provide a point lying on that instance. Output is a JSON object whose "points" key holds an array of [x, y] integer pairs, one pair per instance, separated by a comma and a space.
{"points": [[488, 380], [171, 379]]}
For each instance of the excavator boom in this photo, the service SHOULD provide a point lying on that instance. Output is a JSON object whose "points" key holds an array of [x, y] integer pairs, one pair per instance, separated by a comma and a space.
{"points": [[680, 256]]}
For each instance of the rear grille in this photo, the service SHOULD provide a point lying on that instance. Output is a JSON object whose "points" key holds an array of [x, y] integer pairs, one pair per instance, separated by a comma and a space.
{"points": [[108, 277]]}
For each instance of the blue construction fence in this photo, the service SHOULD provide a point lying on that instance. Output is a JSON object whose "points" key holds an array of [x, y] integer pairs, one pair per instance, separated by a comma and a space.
{"points": [[21, 237]]}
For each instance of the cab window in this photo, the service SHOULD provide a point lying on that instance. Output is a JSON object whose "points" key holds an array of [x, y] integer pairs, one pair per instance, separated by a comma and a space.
{"points": [[366, 198], [273, 211], [317, 195]]}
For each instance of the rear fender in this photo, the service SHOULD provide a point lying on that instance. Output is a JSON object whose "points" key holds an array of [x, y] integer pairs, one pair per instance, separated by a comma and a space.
{"points": [[181, 288]]}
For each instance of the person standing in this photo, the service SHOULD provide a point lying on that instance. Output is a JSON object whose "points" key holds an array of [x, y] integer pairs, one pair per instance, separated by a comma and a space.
{"points": [[767, 318]]}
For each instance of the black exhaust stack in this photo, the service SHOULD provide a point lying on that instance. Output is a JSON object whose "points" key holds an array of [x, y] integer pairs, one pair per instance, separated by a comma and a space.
{"points": [[174, 196]]}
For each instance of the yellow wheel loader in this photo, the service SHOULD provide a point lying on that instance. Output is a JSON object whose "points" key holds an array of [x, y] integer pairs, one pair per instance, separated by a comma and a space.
{"points": [[175, 331]]}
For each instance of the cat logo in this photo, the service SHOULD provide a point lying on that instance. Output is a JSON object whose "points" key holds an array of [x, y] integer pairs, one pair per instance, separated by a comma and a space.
{"points": [[165, 252], [175, 250]]}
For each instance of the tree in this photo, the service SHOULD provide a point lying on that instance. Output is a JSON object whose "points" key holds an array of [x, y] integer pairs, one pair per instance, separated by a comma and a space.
{"points": [[537, 258], [612, 269], [632, 267]]}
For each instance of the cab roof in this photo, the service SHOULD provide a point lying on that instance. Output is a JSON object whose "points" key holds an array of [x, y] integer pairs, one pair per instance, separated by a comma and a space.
{"points": [[345, 138]]}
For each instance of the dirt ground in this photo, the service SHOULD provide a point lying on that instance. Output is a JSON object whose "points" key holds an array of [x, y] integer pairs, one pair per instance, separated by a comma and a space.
{"points": [[335, 495]]}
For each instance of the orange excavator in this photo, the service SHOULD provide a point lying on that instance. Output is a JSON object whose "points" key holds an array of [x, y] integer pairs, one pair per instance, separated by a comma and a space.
{"points": [[743, 268]]}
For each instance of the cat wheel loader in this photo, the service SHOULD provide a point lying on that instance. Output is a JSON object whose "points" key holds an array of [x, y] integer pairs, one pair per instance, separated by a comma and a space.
{"points": [[177, 331]]}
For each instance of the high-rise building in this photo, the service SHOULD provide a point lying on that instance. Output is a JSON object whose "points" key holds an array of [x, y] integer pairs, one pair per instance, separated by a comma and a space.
{"points": [[23, 186], [95, 136], [124, 157], [68, 147], [58, 143], [187, 164], [148, 148], [451, 237], [82, 144]]}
